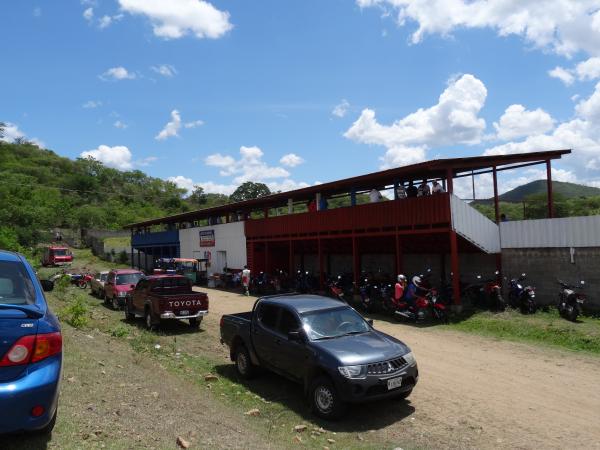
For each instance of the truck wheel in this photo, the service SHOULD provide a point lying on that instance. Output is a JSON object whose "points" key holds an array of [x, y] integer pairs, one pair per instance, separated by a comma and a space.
{"points": [[324, 399], [404, 395], [195, 323], [129, 316], [115, 303], [243, 363], [148, 319]]}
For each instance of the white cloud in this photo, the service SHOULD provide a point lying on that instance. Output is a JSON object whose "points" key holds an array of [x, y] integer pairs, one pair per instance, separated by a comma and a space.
{"points": [[118, 157], [581, 133], [12, 132], [92, 104], [177, 18], [453, 120], [106, 21], [562, 74], [183, 182], [88, 14], [249, 167], [341, 109], [193, 124], [120, 125], [172, 127], [117, 73], [562, 26], [588, 69], [517, 122], [291, 160], [166, 70], [144, 162]]}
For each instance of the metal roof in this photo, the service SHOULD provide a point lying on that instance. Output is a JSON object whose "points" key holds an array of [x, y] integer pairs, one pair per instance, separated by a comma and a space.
{"points": [[434, 169]]}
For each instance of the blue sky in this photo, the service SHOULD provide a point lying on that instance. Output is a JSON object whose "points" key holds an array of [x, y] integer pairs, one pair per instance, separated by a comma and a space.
{"points": [[297, 92]]}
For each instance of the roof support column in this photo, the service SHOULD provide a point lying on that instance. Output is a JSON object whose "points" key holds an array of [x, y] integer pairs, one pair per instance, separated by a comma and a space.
{"points": [[131, 243], [353, 197], [454, 264], [396, 183], [399, 267], [267, 259], [355, 260], [450, 180], [318, 200], [290, 205], [549, 182], [496, 202], [291, 258], [321, 271]]}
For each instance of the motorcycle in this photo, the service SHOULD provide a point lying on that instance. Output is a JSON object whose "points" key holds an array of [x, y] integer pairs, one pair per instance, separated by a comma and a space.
{"points": [[335, 288], [85, 280], [386, 293], [438, 308], [522, 297], [570, 302], [493, 292], [365, 295]]}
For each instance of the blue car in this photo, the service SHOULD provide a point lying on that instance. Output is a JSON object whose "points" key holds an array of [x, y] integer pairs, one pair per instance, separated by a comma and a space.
{"points": [[30, 350]]}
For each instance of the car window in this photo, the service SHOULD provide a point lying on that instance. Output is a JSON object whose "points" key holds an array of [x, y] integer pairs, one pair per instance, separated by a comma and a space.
{"points": [[143, 284], [288, 322], [16, 287], [128, 278], [172, 283], [332, 323], [103, 276], [267, 315]]}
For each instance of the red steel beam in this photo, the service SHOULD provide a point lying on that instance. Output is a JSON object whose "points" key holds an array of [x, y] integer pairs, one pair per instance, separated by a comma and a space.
{"points": [[454, 264]]}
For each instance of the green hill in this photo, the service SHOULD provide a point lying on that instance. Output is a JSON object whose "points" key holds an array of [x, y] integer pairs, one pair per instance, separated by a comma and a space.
{"points": [[40, 190], [566, 190]]}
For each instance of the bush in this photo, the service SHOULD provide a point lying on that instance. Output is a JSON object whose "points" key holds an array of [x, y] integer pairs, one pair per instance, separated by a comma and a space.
{"points": [[9, 239], [123, 257], [120, 331], [77, 313]]}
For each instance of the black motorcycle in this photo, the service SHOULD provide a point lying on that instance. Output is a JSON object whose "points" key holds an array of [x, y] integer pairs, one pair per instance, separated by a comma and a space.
{"points": [[570, 302], [521, 296]]}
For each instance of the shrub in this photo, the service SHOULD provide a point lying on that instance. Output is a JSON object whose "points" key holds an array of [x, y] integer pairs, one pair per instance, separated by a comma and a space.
{"points": [[123, 257], [77, 313]]}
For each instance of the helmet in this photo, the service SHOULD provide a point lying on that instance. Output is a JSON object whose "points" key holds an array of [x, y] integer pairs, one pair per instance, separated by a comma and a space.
{"points": [[401, 278], [416, 281]]}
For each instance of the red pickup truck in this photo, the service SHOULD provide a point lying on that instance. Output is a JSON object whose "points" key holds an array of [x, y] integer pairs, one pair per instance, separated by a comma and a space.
{"points": [[157, 298], [56, 256]]}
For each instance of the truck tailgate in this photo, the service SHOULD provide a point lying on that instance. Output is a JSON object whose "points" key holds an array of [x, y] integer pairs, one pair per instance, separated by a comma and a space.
{"points": [[184, 304]]}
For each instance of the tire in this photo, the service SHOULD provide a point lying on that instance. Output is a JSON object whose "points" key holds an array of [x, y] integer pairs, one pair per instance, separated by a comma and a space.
{"points": [[243, 363], [571, 313], [195, 323], [404, 395], [82, 284], [150, 325], [500, 303], [324, 399], [129, 316], [47, 430], [115, 303]]}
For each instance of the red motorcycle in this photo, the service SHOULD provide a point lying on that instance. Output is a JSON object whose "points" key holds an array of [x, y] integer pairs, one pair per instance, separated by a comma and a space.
{"points": [[493, 291], [85, 280], [425, 306]]}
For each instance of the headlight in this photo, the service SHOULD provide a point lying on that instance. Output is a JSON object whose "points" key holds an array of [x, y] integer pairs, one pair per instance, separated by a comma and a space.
{"points": [[410, 358], [122, 294], [353, 371]]}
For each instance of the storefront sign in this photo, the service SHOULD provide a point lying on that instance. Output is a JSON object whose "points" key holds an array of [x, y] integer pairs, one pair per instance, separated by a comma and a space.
{"points": [[207, 238]]}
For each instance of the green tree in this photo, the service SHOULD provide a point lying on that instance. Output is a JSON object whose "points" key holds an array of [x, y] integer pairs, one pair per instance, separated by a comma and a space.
{"points": [[9, 239], [2, 128], [197, 197], [249, 190]]}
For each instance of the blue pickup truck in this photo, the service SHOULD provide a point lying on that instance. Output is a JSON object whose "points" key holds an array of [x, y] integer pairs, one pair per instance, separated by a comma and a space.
{"points": [[323, 344]]}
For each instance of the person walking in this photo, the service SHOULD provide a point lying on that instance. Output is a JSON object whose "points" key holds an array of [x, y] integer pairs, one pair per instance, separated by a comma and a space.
{"points": [[246, 280]]}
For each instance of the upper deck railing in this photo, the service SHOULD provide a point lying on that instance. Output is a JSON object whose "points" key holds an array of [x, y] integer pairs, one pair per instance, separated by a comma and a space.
{"points": [[411, 213]]}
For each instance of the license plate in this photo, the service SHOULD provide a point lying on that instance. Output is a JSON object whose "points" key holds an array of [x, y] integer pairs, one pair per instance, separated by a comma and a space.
{"points": [[184, 313], [394, 383]]}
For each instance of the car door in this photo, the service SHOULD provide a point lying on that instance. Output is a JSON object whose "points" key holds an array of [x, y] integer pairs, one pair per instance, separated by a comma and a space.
{"points": [[110, 285], [290, 355], [95, 283], [138, 296], [265, 334]]}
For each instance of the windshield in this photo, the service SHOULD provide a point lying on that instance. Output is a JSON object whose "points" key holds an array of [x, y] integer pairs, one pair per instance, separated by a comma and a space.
{"points": [[129, 278], [332, 323], [103, 276], [60, 252], [16, 288]]}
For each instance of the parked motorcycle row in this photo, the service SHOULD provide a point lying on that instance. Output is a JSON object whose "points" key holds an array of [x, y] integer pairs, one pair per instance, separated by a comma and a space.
{"points": [[81, 280], [421, 300]]}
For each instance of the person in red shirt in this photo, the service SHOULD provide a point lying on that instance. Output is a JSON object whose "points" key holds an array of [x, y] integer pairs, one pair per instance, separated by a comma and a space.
{"points": [[399, 288]]}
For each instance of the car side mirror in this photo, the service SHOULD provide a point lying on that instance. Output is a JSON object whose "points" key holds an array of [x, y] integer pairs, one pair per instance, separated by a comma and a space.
{"points": [[295, 336], [47, 285], [370, 322]]}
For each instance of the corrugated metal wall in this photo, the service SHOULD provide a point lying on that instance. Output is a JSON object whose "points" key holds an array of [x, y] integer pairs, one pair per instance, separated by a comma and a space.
{"points": [[548, 233], [474, 226]]}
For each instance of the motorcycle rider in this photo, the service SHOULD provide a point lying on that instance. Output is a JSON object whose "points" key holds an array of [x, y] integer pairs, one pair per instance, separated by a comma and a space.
{"points": [[399, 288], [415, 289]]}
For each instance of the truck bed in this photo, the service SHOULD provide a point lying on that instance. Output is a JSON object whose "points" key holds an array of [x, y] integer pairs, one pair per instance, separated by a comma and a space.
{"points": [[238, 324]]}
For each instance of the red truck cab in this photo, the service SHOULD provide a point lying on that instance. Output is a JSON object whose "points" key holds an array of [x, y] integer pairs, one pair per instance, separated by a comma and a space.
{"points": [[118, 285], [56, 256], [158, 298]]}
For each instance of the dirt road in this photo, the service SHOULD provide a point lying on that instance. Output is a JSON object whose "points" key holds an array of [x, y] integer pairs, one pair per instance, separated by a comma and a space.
{"points": [[477, 392]]}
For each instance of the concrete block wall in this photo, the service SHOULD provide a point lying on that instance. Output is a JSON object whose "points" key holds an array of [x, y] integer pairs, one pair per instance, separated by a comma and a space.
{"points": [[544, 265]]}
